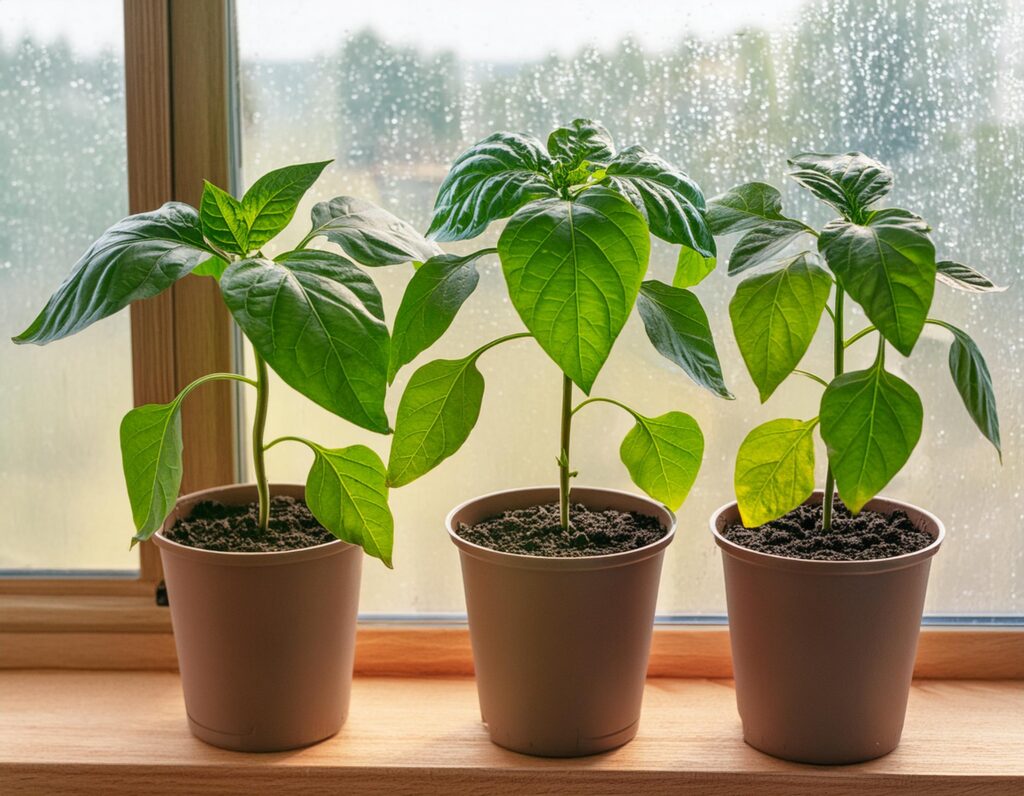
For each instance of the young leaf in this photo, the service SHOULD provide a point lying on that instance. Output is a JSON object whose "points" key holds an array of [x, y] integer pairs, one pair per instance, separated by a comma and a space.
{"points": [[151, 456], [974, 383], [850, 182], [744, 207], [691, 268], [774, 470], [965, 278], [887, 265], [224, 221], [678, 328], [491, 180], [317, 321], [581, 140], [774, 317], [272, 200], [136, 258], [671, 202], [573, 271], [369, 234], [663, 455], [212, 266], [433, 297], [347, 492], [762, 243], [870, 421]]}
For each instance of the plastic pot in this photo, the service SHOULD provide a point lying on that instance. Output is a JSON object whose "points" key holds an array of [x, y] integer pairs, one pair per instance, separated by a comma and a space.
{"points": [[265, 641], [823, 651], [560, 645]]}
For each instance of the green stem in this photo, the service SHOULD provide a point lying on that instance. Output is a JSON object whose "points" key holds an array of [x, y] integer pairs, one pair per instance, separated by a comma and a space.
{"points": [[308, 443], [563, 459], [862, 333], [598, 399], [812, 377], [259, 427], [839, 350]]}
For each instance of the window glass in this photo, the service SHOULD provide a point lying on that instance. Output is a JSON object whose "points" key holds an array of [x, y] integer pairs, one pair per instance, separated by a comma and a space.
{"points": [[62, 157], [727, 89]]}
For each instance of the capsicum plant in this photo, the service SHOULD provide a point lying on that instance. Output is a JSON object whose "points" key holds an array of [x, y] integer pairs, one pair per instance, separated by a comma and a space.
{"points": [[313, 316], [883, 259], [574, 255]]}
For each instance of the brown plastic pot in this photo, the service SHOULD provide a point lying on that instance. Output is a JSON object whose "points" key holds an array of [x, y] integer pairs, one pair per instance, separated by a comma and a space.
{"points": [[560, 645], [265, 640], [823, 651]]}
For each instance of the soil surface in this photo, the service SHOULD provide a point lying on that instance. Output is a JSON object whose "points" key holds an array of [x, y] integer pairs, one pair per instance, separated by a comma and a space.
{"points": [[537, 531], [852, 538], [234, 529]]}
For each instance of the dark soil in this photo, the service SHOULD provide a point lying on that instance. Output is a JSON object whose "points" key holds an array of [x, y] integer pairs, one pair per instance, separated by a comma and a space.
{"points": [[537, 531], [852, 538], [234, 529]]}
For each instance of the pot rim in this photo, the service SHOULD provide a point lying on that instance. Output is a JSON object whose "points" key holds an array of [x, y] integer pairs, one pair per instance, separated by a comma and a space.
{"points": [[566, 563], [242, 559], [880, 503]]}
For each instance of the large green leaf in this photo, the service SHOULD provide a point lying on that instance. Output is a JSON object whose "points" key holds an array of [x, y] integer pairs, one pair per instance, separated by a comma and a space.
{"points": [[744, 207], [974, 383], [134, 259], [431, 300], [224, 221], [887, 265], [678, 328], [774, 317], [965, 278], [369, 234], [272, 200], [692, 268], [581, 140], [663, 455], [762, 243], [151, 456], [491, 180], [774, 470], [850, 182], [671, 202], [573, 271], [438, 409], [347, 492], [870, 421], [317, 321], [212, 266]]}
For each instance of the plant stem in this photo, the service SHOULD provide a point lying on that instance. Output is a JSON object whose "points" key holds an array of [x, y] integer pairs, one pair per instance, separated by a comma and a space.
{"points": [[563, 459], [838, 350], [259, 427]]}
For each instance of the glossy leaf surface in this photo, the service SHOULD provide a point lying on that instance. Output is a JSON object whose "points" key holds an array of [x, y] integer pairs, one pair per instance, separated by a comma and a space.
{"points": [[663, 455]]}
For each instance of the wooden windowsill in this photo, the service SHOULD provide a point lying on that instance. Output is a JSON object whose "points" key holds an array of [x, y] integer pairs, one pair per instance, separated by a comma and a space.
{"points": [[125, 732]]}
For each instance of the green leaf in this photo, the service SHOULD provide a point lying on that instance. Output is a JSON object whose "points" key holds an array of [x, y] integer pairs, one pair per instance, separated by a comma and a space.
{"points": [[744, 207], [774, 470], [887, 265], [762, 243], [369, 234], [974, 383], [573, 271], [581, 140], [965, 278], [212, 266], [273, 199], [224, 221], [692, 268], [671, 202], [678, 328], [663, 455], [870, 421], [491, 180], [431, 300], [317, 320], [347, 492], [437, 412], [136, 258], [850, 182], [151, 456], [774, 317]]}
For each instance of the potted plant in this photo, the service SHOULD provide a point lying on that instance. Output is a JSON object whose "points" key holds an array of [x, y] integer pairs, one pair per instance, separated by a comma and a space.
{"points": [[561, 582], [825, 593], [263, 579]]}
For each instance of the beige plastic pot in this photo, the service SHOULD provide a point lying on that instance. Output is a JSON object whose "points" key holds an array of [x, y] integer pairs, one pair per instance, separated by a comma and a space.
{"points": [[560, 645], [265, 640], [823, 651]]}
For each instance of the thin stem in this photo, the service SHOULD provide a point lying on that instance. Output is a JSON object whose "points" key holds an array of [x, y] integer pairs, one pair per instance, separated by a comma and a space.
{"points": [[308, 443], [499, 341], [838, 351], [862, 333], [259, 427], [563, 459], [812, 377], [598, 399]]}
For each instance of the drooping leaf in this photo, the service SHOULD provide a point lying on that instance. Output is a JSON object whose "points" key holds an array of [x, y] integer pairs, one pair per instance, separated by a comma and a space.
{"points": [[870, 421], [347, 492], [271, 202], [136, 258], [491, 180], [692, 268], [573, 271], [849, 182], [151, 448], [212, 266], [663, 455], [433, 297], [581, 140], [671, 202], [762, 243], [678, 328], [438, 409], [974, 383], [965, 278], [317, 320], [774, 470], [224, 221], [774, 318], [887, 265], [744, 207], [369, 234]]}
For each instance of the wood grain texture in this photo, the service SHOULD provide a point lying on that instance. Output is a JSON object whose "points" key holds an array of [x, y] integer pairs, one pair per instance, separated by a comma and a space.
{"points": [[126, 733]]}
